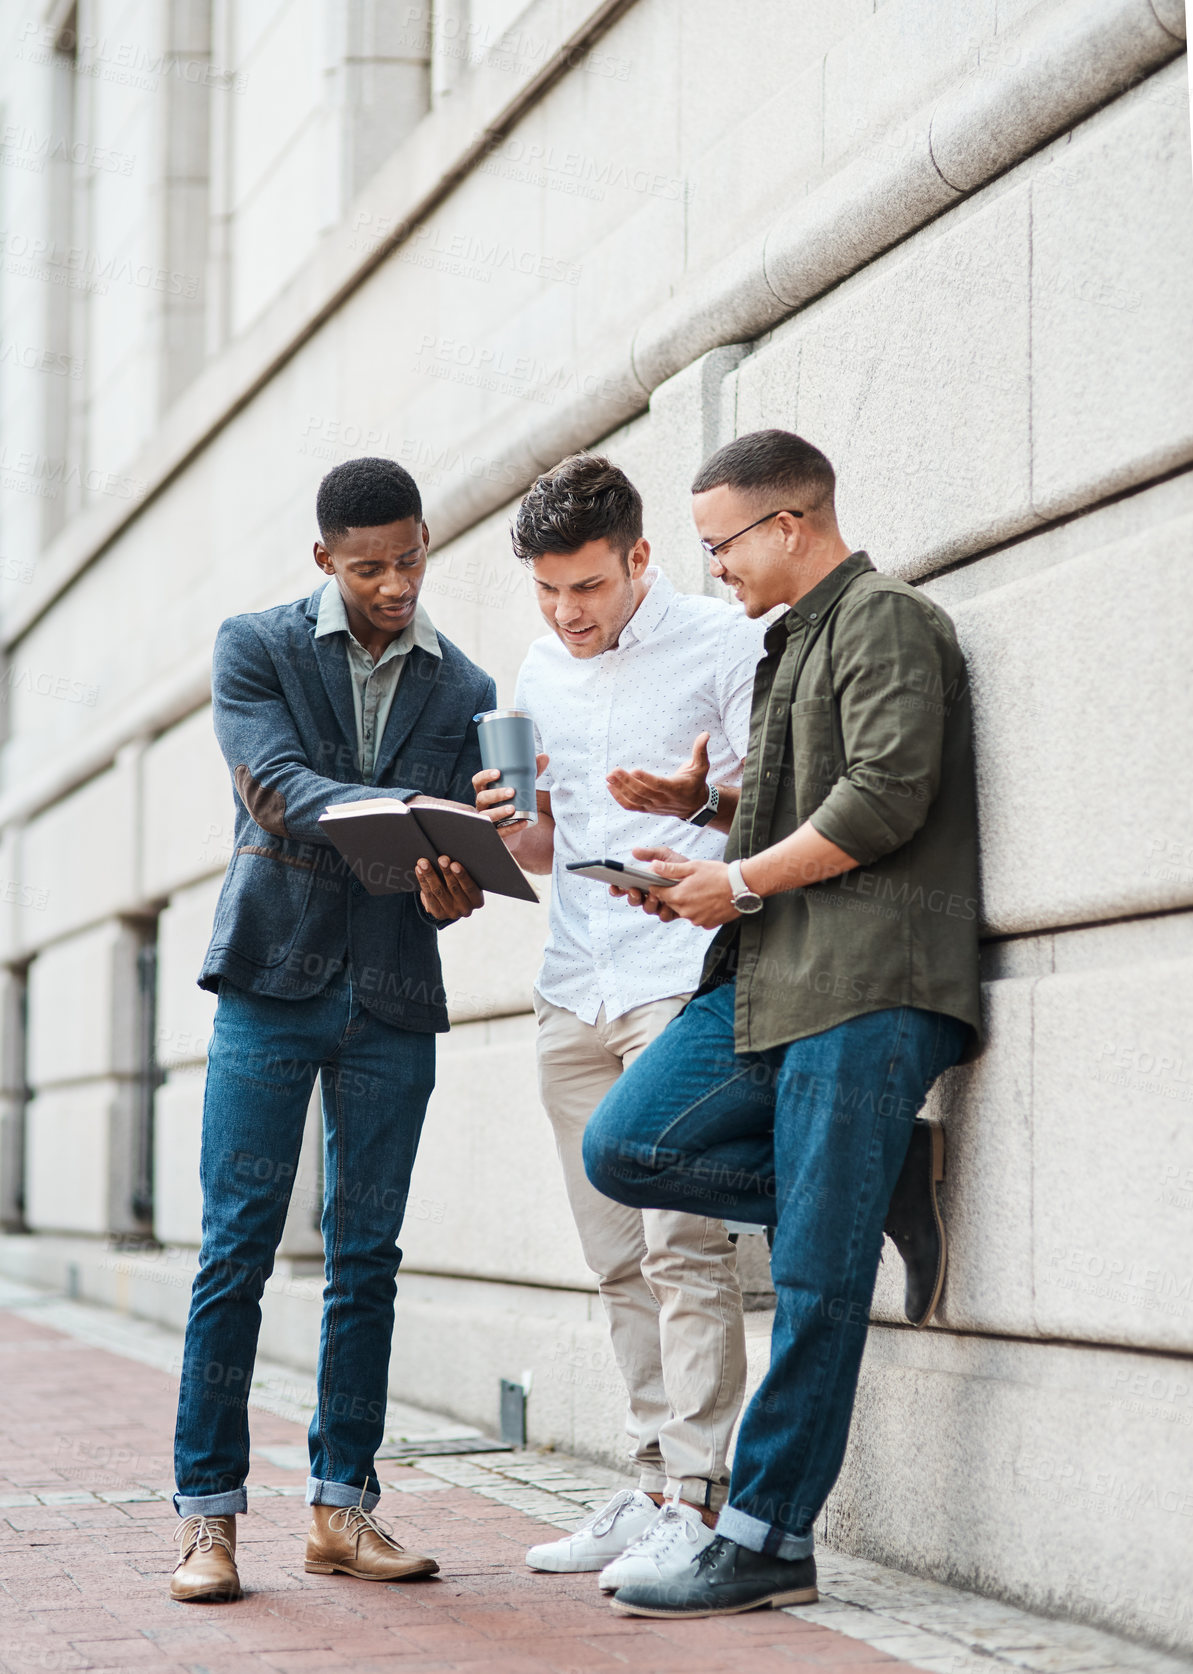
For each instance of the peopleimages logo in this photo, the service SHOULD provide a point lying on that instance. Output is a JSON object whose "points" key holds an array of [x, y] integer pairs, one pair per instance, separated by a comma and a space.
{"points": [[123, 63], [34, 473], [30, 358], [42, 684], [22, 147], [72, 265], [465, 255], [575, 172], [490, 366]]}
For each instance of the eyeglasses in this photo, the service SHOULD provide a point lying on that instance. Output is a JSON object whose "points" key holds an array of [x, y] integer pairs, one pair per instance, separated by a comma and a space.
{"points": [[729, 539]]}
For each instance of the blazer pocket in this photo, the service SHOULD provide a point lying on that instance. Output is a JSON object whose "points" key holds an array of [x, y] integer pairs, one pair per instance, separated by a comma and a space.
{"points": [[266, 906], [448, 742], [426, 762]]}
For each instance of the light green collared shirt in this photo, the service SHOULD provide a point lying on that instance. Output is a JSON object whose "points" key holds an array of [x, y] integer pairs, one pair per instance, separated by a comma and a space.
{"points": [[373, 683]]}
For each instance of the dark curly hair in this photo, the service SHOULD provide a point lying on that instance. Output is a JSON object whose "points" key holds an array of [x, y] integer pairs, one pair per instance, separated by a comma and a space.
{"points": [[583, 498], [362, 493]]}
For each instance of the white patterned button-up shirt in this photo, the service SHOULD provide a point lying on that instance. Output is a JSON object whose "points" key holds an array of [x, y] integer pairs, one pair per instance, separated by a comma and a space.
{"points": [[684, 664]]}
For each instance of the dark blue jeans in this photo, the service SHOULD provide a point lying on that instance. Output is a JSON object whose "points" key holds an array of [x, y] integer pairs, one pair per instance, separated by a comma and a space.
{"points": [[375, 1081], [808, 1138]]}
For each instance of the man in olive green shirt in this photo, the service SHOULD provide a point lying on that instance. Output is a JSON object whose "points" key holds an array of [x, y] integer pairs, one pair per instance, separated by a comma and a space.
{"points": [[843, 981]]}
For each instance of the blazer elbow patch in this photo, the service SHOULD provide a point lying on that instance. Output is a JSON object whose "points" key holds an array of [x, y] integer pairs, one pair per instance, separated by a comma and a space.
{"points": [[267, 807]]}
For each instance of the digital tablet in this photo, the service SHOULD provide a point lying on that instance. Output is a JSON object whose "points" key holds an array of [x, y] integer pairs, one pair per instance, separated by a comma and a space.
{"points": [[621, 876]]}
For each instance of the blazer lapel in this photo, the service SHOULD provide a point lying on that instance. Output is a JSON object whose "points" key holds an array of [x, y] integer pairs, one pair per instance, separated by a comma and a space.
{"points": [[419, 678], [333, 667]]}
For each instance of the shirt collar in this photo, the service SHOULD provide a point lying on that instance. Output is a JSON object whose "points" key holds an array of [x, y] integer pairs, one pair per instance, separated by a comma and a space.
{"points": [[332, 618], [650, 613], [815, 606]]}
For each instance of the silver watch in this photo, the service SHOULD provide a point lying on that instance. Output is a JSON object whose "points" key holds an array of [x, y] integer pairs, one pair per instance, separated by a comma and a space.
{"points": [[709, 811], [744, 898]]}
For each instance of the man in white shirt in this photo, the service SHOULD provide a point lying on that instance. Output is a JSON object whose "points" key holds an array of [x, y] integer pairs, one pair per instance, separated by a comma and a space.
{"points": [[632, 672]]}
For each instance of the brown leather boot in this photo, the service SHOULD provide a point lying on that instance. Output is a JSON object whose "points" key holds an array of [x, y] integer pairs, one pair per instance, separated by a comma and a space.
{"points": [[348, 1540], [206, 1568]]}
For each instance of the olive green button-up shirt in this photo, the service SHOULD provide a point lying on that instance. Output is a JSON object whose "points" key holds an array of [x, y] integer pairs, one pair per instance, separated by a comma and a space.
{"points": [[860, 723]]}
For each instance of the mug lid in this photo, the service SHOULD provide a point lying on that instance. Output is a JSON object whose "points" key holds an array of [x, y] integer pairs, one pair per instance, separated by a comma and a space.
{"points": [[504, 715]]}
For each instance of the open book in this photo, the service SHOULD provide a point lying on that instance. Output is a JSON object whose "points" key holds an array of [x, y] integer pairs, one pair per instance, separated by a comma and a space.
{"points": [[382, 839]]}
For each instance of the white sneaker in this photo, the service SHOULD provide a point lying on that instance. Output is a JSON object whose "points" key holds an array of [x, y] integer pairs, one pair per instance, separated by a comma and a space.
{"points": [[677, 1536], [603, 1536]]}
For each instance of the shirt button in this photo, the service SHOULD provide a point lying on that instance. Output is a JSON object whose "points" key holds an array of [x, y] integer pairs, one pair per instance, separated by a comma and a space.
{"points": [[812, 616]]}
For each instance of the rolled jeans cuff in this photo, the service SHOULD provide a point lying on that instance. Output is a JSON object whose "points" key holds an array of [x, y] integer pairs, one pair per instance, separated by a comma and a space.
{"points": [[757, 1536], [339, 1493], [212, 1505]]}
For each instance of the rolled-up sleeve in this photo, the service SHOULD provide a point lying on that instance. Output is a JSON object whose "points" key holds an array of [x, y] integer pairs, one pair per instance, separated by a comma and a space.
{"points": [[887, 662]]}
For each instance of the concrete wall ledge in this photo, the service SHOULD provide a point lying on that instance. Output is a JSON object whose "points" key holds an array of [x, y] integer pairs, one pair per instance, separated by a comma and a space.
{"points": [[156, 707], [485, 104], [1009, 110], [1053, 71]]}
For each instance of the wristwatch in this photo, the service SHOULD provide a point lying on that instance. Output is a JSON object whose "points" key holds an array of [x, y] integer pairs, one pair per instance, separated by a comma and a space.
{"points": [[743, 897], [709, 811]]}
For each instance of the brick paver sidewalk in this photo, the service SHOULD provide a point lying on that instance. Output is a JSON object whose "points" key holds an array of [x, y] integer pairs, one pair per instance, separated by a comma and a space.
{"points": [[85, 1554]]}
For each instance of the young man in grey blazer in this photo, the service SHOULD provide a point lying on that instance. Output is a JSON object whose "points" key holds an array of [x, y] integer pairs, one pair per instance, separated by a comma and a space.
{"points": [[351, 693]]}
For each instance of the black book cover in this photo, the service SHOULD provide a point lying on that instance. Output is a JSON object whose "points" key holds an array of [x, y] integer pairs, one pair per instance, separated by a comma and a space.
{"points": [[382, 839]]}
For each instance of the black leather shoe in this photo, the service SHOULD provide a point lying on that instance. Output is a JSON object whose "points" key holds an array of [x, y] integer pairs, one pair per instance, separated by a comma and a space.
{"points": [[914, 1225], [723, 1580]]}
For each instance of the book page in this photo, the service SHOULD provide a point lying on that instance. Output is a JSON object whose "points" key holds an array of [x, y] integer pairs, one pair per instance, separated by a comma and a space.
{"points": [[367, 805]]}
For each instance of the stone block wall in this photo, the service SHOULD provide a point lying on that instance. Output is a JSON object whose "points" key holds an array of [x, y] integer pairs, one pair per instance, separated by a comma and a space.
{"points": [[951, 243]]}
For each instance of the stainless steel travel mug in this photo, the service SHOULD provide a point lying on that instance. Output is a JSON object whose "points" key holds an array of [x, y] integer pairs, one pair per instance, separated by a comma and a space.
{"points": [[507, 742]]}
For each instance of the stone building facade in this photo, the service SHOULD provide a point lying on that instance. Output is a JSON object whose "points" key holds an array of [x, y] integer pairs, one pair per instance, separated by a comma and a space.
{"points": [[951, 241]]}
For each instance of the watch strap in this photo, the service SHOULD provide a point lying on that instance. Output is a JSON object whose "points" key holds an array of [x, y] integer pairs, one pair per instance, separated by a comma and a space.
{"points": [[709, 812]]}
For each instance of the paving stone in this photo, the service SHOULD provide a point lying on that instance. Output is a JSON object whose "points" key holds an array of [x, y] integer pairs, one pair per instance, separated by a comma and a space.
{"points": [[119, 1653], [96, 1594]]}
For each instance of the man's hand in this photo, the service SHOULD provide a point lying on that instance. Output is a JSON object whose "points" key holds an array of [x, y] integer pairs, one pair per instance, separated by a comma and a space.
{"points": [[448, 893], [496, 803], [702, 895], [683, 794], [650, 901]]}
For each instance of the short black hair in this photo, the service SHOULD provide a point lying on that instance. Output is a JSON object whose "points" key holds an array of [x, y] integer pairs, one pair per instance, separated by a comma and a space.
{"points": [[363, 493], [583, 498], [772, 465]]}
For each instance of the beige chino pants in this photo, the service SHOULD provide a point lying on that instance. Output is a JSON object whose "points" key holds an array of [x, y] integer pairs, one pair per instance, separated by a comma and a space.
{"points": [[668, 1281]]}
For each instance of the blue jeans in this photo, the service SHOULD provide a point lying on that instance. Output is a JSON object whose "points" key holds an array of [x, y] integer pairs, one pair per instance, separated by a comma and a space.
{"points": [[808, 1138], [375, 1081]]}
